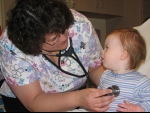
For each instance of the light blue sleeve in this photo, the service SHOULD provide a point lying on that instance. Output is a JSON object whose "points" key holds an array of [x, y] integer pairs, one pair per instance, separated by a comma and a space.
{"points": [[143, 92]]}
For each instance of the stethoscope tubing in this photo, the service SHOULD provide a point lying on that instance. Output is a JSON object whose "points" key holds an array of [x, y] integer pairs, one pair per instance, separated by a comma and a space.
{"points": [[69, 53]]}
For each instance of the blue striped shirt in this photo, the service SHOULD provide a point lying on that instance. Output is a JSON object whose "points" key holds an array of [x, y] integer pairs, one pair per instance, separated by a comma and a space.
{"points": [[134, 87]]}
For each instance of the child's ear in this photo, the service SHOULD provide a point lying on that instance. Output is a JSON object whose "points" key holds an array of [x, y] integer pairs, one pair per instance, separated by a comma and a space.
{"points": [[124, 55]]}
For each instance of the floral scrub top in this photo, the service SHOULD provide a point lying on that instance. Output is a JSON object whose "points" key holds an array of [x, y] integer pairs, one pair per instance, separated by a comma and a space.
{"points": [[19, 69]]}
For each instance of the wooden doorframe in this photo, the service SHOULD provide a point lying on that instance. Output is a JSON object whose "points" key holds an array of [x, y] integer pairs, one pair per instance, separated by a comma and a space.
{"points": [[2, 14]]}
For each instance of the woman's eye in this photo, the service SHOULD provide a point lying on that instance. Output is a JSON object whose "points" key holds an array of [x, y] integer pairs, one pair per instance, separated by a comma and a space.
{"points": [[53, 38]]}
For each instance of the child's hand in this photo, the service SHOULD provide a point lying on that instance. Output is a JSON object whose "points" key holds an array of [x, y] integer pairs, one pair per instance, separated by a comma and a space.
{"points": [[129, 107]]}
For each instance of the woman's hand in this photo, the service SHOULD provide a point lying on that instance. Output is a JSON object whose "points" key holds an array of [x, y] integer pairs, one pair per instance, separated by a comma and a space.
{"points": [[94, 100], [129, 107]]}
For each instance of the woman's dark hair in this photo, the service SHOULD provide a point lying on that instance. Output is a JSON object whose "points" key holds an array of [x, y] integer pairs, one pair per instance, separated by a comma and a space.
{"points": [[30, 20]]}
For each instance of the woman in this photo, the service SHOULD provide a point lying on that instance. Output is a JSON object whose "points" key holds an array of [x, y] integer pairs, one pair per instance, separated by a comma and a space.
{"points": [[37, 64]]}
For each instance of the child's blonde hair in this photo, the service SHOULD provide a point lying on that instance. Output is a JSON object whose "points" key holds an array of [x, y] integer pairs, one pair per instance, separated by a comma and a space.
{"points": [[133, 43]]}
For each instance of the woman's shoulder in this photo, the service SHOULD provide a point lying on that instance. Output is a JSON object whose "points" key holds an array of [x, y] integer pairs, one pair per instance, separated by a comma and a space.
{"points": [[5, 43], [82, 28], [79, 17]]}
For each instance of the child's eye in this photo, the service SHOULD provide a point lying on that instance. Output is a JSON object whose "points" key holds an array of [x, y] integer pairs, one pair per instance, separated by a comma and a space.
{"points": [[106, 47]]}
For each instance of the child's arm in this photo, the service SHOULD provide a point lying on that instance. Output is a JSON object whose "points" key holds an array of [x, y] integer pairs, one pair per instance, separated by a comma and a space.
{"points": [[129, 107]]}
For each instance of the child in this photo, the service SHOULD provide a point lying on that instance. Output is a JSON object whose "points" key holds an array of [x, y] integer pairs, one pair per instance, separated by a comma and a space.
{"points": [[124, 50]]}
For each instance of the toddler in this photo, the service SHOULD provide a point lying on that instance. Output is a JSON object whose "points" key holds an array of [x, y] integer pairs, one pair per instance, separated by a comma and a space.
{"points": [[124, 50]]}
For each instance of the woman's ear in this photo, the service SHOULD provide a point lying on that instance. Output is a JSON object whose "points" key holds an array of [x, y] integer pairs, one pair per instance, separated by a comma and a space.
{"points": [[124, 55]]}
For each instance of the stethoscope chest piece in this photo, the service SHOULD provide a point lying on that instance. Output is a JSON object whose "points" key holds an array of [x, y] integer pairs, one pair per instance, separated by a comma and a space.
{"points": [[115, 90]]}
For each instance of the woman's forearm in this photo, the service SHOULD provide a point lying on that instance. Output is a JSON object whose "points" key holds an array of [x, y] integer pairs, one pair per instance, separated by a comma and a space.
{"points": [[34, 99], [96, 73], [55, 102]]}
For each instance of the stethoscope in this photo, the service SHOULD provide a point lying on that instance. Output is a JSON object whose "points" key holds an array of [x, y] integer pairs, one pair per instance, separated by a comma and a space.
{"points": [[70, 53], [115, 91]]}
